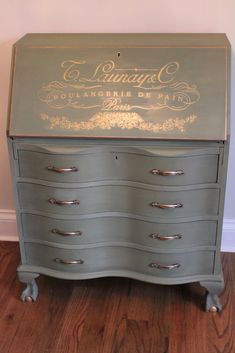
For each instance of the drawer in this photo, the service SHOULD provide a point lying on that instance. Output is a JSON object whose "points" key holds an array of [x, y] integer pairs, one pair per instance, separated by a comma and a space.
{"points": [[119, 198], [160, 166], [101, 259], [119, 230]]}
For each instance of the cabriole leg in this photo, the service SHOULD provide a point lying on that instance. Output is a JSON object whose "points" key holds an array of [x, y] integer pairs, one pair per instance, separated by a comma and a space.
{"points": [[30, 293], [213, 290]]}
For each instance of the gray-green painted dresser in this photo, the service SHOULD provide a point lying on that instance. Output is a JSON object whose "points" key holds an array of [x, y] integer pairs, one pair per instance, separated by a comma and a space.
{"points": [[119, 146]]}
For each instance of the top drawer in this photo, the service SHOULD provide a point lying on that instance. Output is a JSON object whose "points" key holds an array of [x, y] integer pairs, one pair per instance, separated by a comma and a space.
{"points": [[161, 166]]}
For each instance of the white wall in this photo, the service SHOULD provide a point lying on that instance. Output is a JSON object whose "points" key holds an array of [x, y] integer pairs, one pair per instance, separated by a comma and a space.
{"points": [[19, 17]]}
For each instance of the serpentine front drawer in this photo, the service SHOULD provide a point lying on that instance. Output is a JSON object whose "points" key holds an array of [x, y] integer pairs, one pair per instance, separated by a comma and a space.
{"points": [[116, 230], [101, 259], [145, 201], [156, 166]]}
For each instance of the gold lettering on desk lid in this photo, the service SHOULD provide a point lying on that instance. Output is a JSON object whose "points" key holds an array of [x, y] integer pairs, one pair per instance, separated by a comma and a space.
{"points": [[107, 73], [110, 88]]}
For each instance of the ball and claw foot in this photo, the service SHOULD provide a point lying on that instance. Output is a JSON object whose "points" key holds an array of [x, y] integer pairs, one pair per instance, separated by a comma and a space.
{"points": [[30, 293], [213, 309], [28, 299], [212, 303]]}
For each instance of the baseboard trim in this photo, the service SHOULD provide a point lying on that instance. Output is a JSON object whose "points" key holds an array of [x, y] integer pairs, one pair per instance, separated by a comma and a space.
{"points": [[228, 236], [8, 230]]}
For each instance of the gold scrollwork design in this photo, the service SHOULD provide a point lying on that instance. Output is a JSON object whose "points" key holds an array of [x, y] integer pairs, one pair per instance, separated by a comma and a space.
{"points": [[110, 120]]}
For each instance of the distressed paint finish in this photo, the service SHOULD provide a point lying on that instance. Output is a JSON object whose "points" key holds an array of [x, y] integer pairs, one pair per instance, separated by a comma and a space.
{"points": [[149, 207]]}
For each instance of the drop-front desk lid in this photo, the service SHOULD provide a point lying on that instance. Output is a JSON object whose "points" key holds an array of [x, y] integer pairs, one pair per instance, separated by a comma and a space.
{"points": [[157, 86]]}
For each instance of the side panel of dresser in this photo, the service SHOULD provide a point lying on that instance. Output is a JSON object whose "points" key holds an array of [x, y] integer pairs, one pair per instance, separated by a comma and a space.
{"points": [[30, 293], [215, 286]]}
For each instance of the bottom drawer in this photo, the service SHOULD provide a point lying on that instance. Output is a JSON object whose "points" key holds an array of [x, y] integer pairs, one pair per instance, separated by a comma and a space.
{"points": [[105, 259]]}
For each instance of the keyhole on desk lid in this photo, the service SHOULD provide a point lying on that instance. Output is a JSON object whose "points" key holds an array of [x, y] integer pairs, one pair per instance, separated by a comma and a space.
{"points": [[118, 54], [116, 157]]}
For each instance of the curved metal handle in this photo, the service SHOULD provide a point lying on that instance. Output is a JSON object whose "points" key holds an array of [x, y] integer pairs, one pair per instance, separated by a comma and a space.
{"points": [[165, 237], [60, 232], [64, 203], [166, 205], [62, 170], [69, 262], [167, 172], [163, 266]]}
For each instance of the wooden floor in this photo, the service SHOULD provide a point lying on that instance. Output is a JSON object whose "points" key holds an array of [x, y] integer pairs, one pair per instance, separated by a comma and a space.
{"points": [[112, 315]]}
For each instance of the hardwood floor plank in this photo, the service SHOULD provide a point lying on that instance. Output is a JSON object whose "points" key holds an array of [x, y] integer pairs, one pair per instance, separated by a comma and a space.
{"points": [[222, 328], [9, 259], [115, 325], [59, 293], [42, 319], [74, 319], [97, 336], [137, 337], [149, 303], [10, 313], [142, 300]]}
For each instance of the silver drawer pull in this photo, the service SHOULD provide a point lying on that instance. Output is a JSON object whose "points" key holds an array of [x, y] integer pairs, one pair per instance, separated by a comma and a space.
{"points": [[62, 170], [165, 237], [167, 172], [166, 205], [67, 234], [69, 262], [64, 203], [164, 267]]}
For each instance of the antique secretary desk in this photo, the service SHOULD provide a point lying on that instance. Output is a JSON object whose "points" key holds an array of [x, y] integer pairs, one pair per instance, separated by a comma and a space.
{"points": [[118, 145]]}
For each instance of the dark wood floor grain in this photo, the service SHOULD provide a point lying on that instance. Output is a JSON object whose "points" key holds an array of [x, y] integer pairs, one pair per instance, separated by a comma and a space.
{"points": [[112, 315]]}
